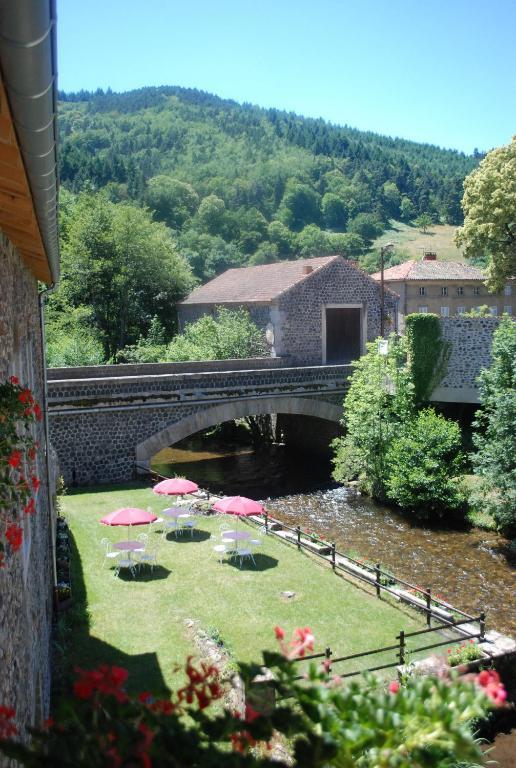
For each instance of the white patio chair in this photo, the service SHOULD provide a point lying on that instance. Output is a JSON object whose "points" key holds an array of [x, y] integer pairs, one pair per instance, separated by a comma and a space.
{"points": [[148, 556], [172, 525], [109, 553], [126, 562], [144, 538], [244, 552], [221, 548], [190, 524]]}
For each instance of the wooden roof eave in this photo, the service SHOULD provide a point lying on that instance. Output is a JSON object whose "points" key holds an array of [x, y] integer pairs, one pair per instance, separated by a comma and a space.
{"points": [[18, 218]]}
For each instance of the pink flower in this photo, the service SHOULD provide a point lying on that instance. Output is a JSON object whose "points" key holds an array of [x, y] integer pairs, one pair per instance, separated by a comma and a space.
{"points": [[489, 681], [279, 632], [394, 687]]}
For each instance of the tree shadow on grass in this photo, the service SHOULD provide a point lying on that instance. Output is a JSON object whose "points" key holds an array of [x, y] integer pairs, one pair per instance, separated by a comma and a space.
{"points": [[261, 563], [75, 646]]}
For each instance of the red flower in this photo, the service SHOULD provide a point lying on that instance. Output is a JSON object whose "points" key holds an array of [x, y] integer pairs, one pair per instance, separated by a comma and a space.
{"points": [[38, 413], [394, 686], [25, 396], [31, 453], [14, 380], [14, 535], [279, 632], [105, 680], [30, 508], [7, 727], [14, 459], [35, 482]]}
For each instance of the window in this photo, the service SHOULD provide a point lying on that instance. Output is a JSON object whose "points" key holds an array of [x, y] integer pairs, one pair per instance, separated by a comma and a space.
{"points": [[507, 291], [507, 310], [476, 291], [460, 291], [493, 311], [445, 311], [461, 310], [444, 290], [422, 290], [424, 310]]}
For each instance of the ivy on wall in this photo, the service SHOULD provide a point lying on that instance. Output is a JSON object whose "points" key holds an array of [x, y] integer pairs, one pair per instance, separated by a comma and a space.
{"points": [[427, 353]]}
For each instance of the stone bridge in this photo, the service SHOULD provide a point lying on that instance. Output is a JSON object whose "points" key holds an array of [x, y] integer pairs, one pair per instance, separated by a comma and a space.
{"points": [[105, 420]]}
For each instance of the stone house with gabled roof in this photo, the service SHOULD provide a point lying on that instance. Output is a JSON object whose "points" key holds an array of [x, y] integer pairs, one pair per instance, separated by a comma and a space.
{"points": [[446, 288], [313, 311]]}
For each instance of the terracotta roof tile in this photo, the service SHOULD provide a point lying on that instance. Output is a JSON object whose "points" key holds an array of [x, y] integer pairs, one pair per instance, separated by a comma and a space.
{"points": [[256, 284], [431, 270]]}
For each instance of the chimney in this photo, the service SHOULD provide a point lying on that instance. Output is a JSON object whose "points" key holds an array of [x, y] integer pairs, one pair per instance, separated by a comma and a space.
{"points": [[429, 256], [307, 269]]}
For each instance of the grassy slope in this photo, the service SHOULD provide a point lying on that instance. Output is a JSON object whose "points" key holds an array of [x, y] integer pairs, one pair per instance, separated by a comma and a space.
{"points": [[140, 623], [439, 238]]}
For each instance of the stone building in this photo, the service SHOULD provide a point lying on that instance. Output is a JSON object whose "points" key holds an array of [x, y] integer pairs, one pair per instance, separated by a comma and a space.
{"points": [[28, 254], [445, 288], [314, 311]]}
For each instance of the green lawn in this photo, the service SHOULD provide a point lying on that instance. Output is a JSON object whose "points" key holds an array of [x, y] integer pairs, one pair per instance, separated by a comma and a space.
{"points": [[142, 623]]}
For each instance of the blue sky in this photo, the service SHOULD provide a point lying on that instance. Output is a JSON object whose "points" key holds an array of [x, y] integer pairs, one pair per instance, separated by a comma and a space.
{"points": [[438, 71]]}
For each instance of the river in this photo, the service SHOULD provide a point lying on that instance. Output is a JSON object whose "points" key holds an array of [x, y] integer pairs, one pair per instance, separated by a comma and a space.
{"points": [[472, 569]]}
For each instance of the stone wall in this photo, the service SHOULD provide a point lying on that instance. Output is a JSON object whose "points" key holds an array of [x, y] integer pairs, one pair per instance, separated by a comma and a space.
{"points": [[26, 579], [471, 339], [98, 424]]}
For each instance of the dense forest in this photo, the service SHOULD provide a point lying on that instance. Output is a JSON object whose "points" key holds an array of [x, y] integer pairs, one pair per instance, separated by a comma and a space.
{"points": [[223, 184]]}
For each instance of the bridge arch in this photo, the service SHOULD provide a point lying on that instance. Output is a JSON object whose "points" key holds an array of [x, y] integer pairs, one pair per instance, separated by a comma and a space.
{"points": [[212, 415]]}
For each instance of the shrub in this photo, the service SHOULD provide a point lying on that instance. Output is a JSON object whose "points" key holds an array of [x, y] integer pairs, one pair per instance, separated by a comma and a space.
{"points": [[423, 462], [495, 438]]}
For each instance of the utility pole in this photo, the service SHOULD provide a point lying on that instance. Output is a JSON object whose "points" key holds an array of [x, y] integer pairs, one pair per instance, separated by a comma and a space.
{"points": [[383, 250]]}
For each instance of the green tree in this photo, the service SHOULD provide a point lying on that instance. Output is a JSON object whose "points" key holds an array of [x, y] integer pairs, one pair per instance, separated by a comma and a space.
{"points": [[266, 253], [423, 462], [71, 338], [300, 206], [122, 265], [423, 222], [489, 206], [407, 209], [211, 214], [379, 400], [172, 201], [366, 225], [495, 436], [282, 237], [391, 197], [334, 211], [229, 335]]}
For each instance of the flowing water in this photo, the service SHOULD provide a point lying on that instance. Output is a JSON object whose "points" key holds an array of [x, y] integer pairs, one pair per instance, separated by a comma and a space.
{"points": [[470, 568]]}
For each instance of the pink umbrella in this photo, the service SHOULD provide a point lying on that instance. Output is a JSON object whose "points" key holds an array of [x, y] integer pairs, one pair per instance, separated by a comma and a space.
{"points": [[129, 516], [175, 486], [238, 505]]}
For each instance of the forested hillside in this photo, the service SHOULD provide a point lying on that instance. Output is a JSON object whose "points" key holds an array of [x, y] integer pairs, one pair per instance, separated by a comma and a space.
{"points": [[228, 185]]}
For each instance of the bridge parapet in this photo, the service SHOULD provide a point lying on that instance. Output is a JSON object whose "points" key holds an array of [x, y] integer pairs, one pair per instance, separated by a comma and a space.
{"points": [[176, 388], [146, 369]]}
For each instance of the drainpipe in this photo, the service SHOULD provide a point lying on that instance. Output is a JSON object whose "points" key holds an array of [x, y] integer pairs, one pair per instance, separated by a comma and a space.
{"points": [[50, 500]]}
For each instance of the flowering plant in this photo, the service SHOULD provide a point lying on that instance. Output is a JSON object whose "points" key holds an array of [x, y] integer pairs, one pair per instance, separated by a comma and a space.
{"points": [[18, 448], [325, 722], [464, 653]]}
